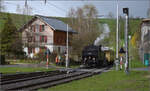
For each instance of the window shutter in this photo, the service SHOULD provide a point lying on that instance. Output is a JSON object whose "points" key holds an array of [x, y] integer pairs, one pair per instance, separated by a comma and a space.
{"points": [[40, 28], [45, 39], [40, 38], [34, 28]]}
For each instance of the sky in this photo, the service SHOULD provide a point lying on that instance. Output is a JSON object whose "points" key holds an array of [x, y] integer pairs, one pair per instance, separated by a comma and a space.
{"points": [[59, 8]]}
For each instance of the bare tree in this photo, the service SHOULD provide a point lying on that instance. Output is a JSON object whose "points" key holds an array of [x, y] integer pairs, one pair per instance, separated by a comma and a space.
{"points": [[84, 21], [1, 6], [110, 15], [18, 9], [27, 10], [148, 13]]}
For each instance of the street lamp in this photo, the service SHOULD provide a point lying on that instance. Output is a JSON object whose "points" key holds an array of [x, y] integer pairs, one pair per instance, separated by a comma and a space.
{"points": [[129, 52], [125, 11], [67, 61]]}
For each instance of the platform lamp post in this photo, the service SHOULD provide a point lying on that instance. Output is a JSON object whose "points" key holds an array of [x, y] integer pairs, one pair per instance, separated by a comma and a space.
{"points": [[126, 12], [130, 57], [67, 61], [117, 38]]}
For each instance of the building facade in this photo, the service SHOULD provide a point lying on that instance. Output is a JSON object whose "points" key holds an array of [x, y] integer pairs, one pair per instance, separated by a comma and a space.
{"points": [[145, 40], [42, 33]]}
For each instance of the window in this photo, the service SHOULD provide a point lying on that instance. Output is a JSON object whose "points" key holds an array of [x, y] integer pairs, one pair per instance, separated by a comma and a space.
{"points": [[29, 39], [43, 39], [29, 50], [32, 28], [42, 28], [59, 49]]}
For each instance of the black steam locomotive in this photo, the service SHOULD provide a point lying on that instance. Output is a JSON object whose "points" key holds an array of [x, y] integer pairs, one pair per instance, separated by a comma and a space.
{"points": [[94, 56]]}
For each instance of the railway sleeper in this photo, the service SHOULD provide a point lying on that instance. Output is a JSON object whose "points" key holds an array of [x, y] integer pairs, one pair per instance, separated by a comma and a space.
{"points": [[28, 83], [28, 78], [23, 75], [45, 85]]}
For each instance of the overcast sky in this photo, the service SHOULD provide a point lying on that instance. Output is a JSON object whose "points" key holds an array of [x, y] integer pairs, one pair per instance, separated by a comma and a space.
{"points": [[137, 8]]}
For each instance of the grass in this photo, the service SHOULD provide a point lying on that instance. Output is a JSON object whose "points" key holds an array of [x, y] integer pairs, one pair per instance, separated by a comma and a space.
{"points": [[9, 70], [136, 64], [37, 62], [25, 61], [17, 19], [110, 81]]}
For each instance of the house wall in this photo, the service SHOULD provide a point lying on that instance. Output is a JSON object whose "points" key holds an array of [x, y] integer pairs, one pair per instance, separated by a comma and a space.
{"points": [[145, 40], [36, 44], [48, 32], [145, 37], [60, 38]]}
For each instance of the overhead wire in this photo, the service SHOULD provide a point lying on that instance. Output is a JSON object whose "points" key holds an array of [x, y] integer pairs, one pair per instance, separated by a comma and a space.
{"points": [[74, 0], [57, 7], [49, 4]]}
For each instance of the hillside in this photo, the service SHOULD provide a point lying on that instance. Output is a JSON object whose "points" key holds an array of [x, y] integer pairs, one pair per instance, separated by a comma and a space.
{"points": [[17, 19], [134, 25]]}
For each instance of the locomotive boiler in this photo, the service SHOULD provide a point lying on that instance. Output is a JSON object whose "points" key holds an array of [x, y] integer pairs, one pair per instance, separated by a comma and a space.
{"points": [[94, 56]]}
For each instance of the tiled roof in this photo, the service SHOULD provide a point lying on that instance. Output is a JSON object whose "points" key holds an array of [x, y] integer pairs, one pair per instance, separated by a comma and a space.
{"points": [[145, 20], [56, 24]]}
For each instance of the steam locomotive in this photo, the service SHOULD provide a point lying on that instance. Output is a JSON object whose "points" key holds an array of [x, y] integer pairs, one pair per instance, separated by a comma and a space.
{"points": [[94, 56]]}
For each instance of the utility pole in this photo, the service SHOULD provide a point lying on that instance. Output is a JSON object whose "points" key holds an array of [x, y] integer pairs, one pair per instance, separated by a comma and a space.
{"points": [[117, 38], [67, 61], [125, 11]]}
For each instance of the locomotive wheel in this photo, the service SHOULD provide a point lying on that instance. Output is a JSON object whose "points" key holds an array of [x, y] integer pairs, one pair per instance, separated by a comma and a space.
{"points": [[105, 63]]}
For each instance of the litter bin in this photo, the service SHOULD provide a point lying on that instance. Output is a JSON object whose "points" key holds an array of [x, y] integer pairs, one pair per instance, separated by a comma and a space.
{"points": [[146, 62], [146, 59]]}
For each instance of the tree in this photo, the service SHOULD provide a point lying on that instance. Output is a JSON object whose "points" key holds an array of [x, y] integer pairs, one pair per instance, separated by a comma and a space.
{"points": [[18, 9], [84, 21], [1, 5], [110, 15], [27, 10], [148, 13], [10, 40]]}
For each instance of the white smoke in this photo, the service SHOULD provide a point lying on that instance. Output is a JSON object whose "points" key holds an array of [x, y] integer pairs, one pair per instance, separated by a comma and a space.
{"points": [[103, 35]]}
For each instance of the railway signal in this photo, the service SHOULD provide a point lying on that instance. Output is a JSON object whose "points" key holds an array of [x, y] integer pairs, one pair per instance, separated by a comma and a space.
{"points": [[47, 52], [126, 12]]}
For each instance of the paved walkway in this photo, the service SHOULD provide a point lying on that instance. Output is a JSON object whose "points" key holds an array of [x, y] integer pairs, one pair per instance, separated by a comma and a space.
{"points": [[142, 69], [27, 65]]}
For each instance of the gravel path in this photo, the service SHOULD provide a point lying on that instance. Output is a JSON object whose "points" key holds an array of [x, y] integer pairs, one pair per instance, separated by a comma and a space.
{"points": [[142, 69], [27, 65]]}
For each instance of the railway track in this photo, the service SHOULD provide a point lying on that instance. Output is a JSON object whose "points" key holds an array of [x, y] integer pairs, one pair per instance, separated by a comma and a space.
{"points": [[34, 81]]}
